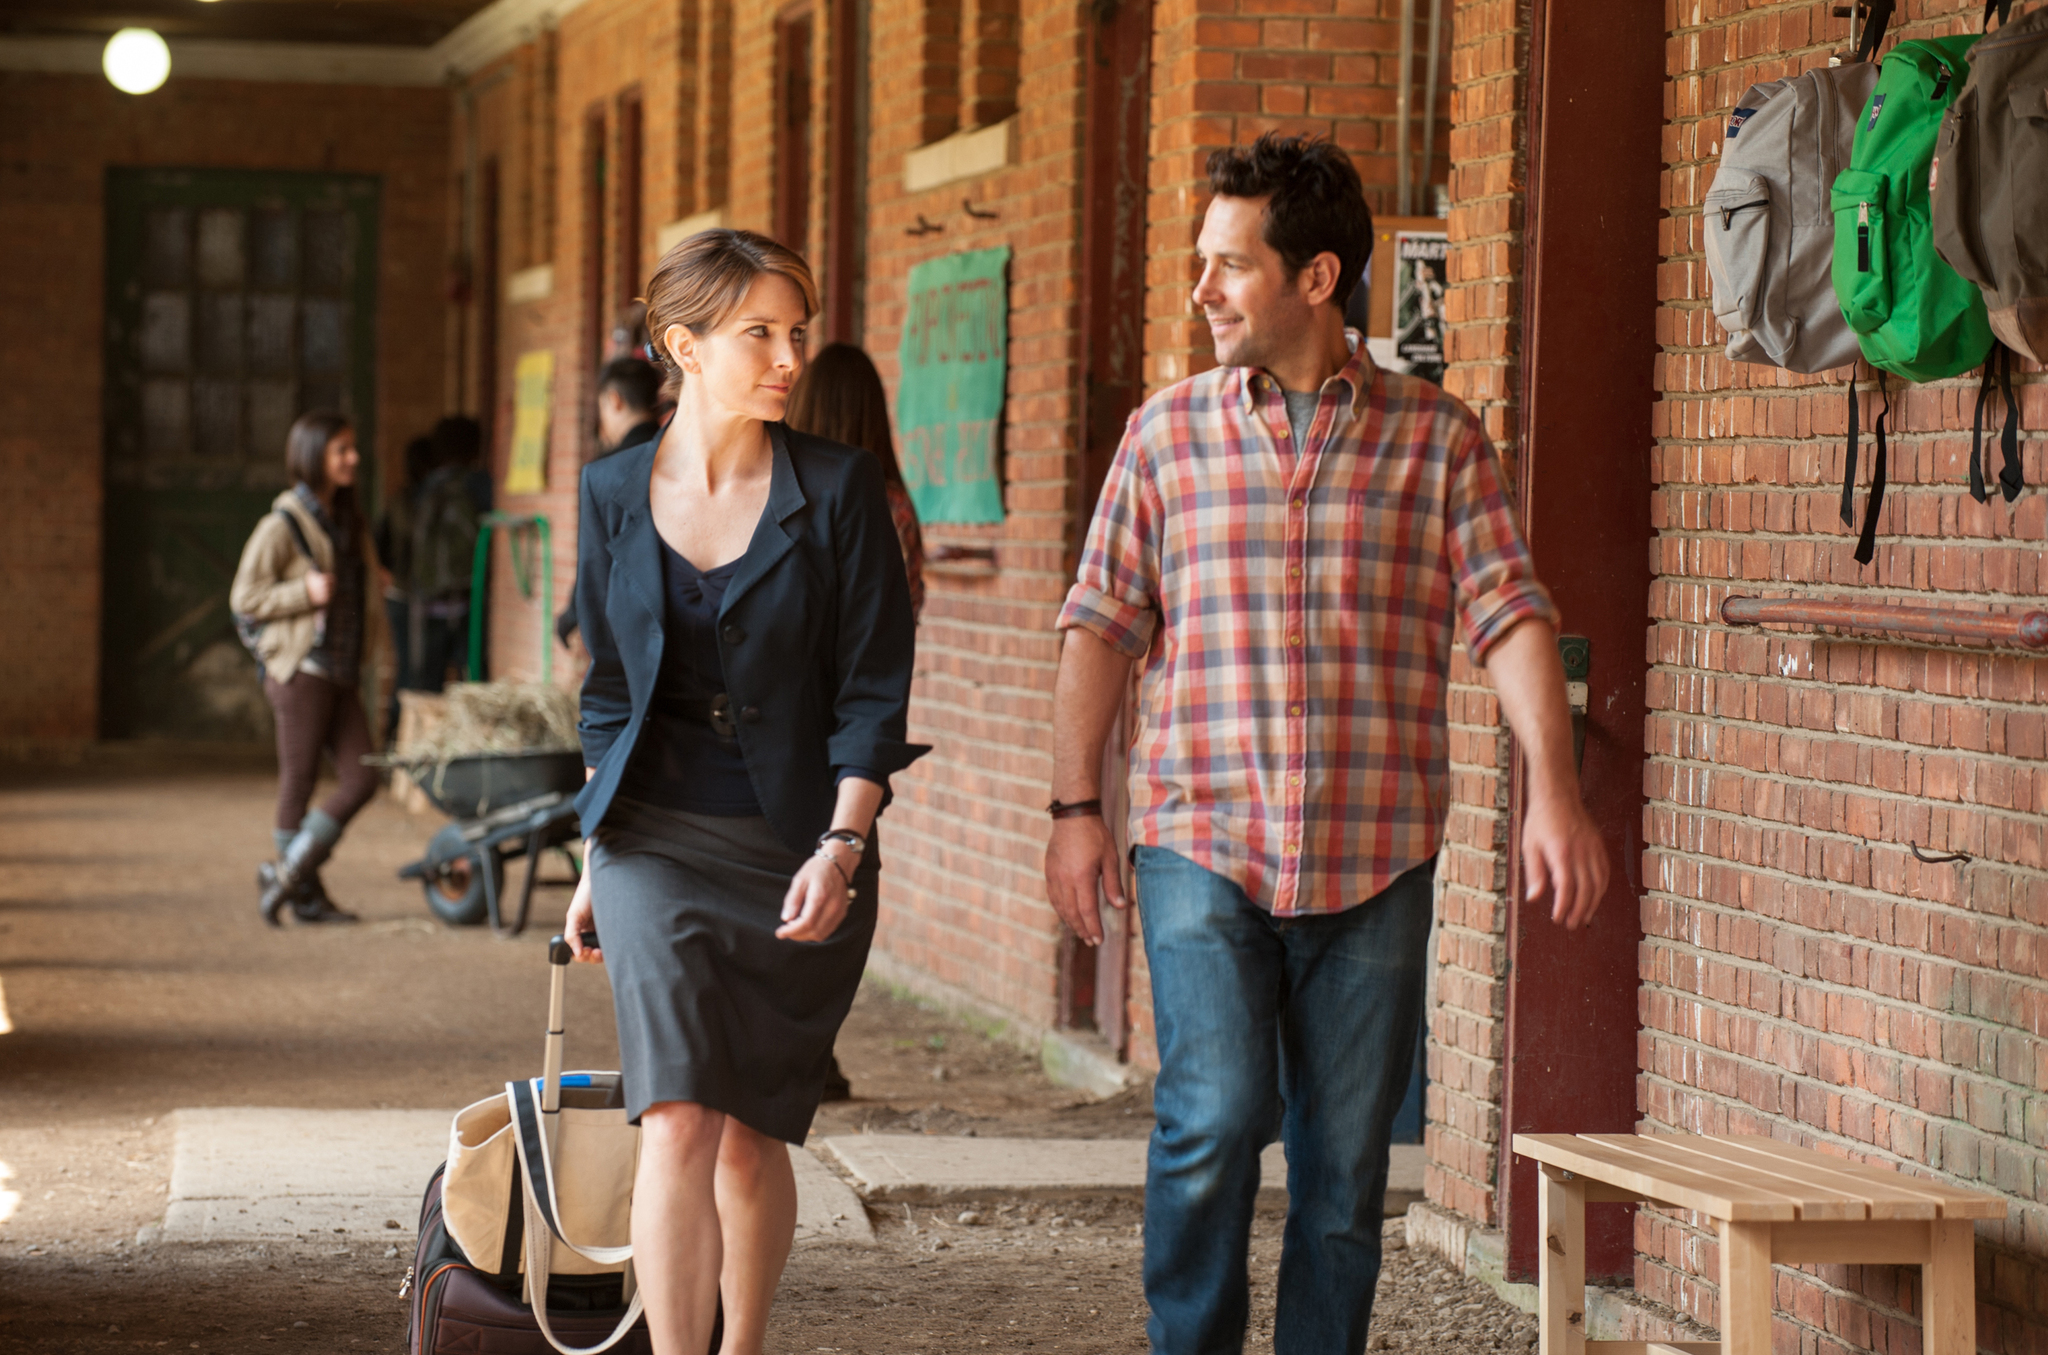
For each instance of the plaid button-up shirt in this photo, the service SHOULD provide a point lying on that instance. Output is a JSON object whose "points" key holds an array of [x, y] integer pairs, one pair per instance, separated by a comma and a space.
{"points": [[1292, 609]]}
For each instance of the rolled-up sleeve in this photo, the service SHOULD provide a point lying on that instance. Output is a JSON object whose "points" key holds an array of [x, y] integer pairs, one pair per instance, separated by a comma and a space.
{"points": [[1115, 596], [1490, 562], [877, 637]]}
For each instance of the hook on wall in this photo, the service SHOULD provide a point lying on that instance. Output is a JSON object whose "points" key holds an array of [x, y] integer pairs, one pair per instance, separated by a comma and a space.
{"points": [[967, 206], [1936, 858], [923, 227]]}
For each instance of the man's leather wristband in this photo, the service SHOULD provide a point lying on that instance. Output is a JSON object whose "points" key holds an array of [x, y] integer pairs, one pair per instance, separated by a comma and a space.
{"points": [[1074, 810]]}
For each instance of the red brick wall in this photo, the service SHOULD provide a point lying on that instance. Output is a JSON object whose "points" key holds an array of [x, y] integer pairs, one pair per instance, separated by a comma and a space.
{"points": [[1225, 71], [600, 52], [965, 901], [58, 136], [1489, 58], [1803, 975]]}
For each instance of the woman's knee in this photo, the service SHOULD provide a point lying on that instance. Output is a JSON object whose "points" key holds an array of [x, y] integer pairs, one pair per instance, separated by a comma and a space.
{"points": [[748, 1151], [680, 1129]]}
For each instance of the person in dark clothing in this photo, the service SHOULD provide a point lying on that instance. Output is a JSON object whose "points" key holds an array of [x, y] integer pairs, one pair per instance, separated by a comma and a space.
{"points": [[303, 578], [840, 396], [393, 539], [628, 390]]}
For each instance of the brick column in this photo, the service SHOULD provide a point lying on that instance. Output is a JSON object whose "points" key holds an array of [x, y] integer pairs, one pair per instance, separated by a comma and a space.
{"points": [[1489, 64]]}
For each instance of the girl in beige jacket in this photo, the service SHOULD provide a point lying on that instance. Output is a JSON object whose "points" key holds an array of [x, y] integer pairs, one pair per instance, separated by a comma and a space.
{"points": [[304, 579]]}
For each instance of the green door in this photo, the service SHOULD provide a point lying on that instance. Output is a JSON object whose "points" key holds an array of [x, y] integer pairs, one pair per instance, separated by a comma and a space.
{"points": [[236, 301]]}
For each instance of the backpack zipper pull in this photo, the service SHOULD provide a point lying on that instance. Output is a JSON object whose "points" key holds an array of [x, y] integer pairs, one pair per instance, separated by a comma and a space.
{"points": [[1863, 237], [405, 1285], [1941, 83]]}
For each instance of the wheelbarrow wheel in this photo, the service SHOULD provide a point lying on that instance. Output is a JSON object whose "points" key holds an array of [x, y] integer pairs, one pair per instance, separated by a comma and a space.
{"points": [[455, 892]]}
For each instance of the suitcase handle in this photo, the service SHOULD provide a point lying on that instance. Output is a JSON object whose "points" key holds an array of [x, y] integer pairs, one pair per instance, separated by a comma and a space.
{"points": [[559, 956], [559, 952]]}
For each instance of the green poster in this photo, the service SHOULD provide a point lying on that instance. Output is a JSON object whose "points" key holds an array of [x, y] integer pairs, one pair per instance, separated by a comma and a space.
{"points": [[949, 409]]}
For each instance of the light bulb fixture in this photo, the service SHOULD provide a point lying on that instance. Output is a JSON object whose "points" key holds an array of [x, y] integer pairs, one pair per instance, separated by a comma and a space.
{"points": [[136, 61]]}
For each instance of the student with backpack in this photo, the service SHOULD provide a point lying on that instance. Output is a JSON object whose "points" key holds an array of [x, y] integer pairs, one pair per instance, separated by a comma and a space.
{"points": [[301, 600]]}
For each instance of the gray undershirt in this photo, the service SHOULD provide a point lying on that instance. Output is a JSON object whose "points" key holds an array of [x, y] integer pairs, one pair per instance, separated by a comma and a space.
{"points": [[1301, 412]]}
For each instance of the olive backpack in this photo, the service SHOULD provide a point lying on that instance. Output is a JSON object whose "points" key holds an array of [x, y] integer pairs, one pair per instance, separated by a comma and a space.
{"points": [[1990, 188]]}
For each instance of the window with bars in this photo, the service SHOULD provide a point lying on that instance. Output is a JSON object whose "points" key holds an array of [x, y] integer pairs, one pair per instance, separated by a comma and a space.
{"points": [[246, 322]]}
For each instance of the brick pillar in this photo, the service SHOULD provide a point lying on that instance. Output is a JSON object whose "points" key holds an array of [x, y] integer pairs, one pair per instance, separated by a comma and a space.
{"points": [[1489, 61]]}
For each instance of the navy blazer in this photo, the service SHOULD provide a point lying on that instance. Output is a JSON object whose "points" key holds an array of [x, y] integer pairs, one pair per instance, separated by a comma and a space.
{"points": [[815, 635]]}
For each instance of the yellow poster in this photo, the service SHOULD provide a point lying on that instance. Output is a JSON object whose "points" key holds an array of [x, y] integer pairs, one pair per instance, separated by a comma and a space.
{"points": [[534, 386]]}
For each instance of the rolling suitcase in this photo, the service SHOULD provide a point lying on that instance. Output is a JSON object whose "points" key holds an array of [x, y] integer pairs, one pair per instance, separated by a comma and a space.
{"points": [[468, 1288]]}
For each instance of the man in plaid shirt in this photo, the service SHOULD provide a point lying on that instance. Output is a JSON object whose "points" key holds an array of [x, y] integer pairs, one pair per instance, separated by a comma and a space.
{"points": [[1282, 547]]}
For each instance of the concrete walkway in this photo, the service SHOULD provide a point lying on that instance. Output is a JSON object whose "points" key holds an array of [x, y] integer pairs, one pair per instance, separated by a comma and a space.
{"points": [[918, 1167], [355, 1177]]}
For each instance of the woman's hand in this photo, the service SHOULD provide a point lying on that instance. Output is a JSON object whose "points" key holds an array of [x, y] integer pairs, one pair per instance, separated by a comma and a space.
{"points": [[818, 898], [319, 588], [581, 918]]}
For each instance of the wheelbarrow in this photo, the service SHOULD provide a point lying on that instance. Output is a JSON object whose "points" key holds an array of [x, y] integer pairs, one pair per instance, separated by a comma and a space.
{"points": [[505, 805]]}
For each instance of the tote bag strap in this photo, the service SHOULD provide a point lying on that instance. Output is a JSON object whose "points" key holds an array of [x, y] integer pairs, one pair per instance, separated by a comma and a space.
{"points": [[538, 1210], [539, 1255], [536, 1163]]}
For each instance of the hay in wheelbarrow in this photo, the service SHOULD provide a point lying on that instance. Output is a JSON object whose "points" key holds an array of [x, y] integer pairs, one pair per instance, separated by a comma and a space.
{"points": [[499, 717]]}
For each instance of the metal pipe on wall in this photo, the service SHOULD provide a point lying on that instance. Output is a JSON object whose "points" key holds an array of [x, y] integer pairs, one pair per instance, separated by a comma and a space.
{"points": [[1436, 29], [1403, 97], [2028, 630]]}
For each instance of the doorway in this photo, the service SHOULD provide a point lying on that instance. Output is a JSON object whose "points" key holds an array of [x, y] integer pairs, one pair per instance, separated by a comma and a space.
{"points": [[235, 302], [1094, 981]]}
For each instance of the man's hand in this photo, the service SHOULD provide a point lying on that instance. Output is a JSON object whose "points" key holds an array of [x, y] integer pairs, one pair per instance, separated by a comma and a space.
{"points": [[1080, 858], [1564, 860]]}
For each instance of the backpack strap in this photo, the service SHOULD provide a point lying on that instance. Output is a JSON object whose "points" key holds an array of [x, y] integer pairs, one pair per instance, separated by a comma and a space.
{"points": [[298, 536], [2003, 9], [1866, 543], [1998, 370], [1879, 20], [1849, 456]]}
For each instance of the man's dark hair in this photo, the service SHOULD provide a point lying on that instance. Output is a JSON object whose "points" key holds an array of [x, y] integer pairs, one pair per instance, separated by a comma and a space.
{"points": [[458, 440], [635, 379], [1317, 202]]}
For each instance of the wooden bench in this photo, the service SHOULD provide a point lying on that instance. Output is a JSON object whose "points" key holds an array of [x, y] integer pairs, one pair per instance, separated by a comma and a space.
{"points": [[1770, 1203]]}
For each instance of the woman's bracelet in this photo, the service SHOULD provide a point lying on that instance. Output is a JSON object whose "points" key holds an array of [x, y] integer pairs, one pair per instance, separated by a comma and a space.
{"points": [[824, 855]]}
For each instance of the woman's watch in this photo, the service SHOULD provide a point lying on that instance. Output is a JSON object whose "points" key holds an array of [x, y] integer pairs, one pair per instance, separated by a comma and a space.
{"points": [[847, 836]]}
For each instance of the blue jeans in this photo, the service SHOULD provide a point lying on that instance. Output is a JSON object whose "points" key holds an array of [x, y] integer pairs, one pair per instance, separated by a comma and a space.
{"points": [[1297, 1028]]}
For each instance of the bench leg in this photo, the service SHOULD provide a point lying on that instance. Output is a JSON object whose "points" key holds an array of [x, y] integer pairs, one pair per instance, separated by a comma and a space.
{"points": [[1561, 1264], [1746, 1288], [1949, 1289]]}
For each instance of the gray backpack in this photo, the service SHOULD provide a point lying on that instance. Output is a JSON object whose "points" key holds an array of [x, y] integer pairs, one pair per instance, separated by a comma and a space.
{"points": [[1769, 226], [1990, 182]]}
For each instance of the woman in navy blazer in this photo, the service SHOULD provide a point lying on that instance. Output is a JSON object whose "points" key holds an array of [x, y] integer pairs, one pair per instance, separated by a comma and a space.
{"points": [[744, 602]]}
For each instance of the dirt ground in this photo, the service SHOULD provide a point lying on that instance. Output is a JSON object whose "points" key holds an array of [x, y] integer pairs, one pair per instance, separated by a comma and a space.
{"points": [[138, 978]]}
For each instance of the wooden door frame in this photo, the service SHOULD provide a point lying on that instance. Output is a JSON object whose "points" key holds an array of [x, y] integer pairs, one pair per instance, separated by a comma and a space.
{"points": [[1095, 983], [1589, 350]]}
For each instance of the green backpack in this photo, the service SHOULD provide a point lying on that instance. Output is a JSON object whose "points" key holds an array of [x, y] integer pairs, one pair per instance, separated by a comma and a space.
{"points": [[1913, 315]]}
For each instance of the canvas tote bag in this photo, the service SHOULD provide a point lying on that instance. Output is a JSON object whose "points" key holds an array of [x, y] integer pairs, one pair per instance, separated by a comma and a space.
{"points": [[540, 1178]]}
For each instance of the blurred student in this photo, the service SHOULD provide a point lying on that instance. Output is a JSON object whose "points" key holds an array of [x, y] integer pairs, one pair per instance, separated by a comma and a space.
{"points": [[840, 396], [393, 540], [302, 588], [628, 394]]}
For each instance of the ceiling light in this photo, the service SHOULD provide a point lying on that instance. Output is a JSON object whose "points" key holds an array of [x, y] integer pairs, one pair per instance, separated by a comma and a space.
{"points": [[136, 60]]}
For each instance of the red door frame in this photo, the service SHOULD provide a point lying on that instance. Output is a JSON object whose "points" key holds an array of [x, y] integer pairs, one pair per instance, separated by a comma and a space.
{"points": [[1094, 983], [1596, 113]]}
